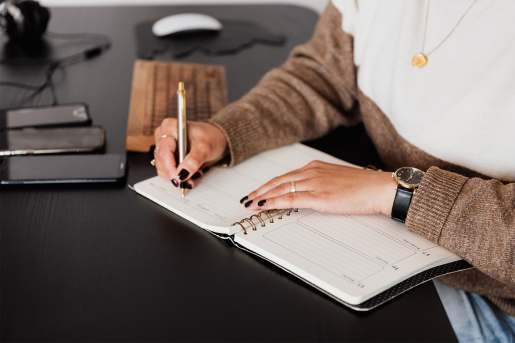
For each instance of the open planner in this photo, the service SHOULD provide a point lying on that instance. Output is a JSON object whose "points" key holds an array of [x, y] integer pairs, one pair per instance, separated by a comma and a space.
{"points": [[359, 260]]}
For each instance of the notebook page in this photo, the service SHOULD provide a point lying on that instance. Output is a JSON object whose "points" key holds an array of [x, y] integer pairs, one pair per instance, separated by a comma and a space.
{"points": [[214, 203], [353, 257]]}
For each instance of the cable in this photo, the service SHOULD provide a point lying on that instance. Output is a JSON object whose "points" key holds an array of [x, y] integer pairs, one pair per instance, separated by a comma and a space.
{"points": [[83, 36], [60, 63]]}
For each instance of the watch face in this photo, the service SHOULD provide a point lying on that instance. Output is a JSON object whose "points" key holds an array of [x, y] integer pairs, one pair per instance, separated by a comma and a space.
{"points": [[409, 177]]}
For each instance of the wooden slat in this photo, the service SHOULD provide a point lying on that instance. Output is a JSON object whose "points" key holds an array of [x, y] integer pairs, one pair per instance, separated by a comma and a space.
{"points": [[153, 96]]}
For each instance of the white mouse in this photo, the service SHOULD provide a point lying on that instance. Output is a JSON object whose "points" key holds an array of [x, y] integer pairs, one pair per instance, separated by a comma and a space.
{"points": [[185, 22]]}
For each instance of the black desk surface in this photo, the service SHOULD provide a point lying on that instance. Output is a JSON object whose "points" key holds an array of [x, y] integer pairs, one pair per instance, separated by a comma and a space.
{"points": [[104, 264]]}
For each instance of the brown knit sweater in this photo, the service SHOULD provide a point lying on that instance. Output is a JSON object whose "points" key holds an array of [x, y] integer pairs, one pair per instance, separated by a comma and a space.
{"points": [[314, 91]]}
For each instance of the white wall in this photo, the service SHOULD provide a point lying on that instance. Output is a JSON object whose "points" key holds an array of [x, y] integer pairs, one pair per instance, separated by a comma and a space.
{"points": [[316, 5]]}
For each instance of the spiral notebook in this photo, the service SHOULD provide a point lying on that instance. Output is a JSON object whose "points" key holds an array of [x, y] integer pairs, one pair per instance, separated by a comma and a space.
{"points": [[361, 261]]}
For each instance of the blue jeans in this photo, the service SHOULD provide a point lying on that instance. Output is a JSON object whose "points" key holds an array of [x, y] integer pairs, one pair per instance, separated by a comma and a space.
{"points": [[474, 318]]}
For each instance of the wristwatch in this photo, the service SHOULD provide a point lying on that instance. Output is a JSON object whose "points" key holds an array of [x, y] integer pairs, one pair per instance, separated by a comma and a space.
{"points": [[408, 179]]}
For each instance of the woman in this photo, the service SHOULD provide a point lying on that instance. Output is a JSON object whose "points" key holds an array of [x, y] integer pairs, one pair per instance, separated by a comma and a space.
{"points": [[433, 82]]}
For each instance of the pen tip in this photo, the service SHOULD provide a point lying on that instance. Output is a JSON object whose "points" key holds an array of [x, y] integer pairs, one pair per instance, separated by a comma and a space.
{"points": [[183, 192]]}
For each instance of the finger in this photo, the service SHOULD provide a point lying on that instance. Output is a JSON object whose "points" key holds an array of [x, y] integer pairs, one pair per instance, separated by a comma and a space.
{"points": [[309, 170], [294, 175], [279, 180], [192, 162], [169, 126], [316, 164], [165, 159], [288, 200], [200, 173], [188, 184], [157, 134], [284, 188]]}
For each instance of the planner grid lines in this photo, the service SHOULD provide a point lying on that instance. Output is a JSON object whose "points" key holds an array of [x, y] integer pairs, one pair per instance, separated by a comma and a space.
{"points": [[357, 237], [337, 259], [394, 230]]}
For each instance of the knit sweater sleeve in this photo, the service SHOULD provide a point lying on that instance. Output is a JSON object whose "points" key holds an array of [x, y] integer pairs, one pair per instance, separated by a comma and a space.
{"points": [[472, 217], [310, 94]]}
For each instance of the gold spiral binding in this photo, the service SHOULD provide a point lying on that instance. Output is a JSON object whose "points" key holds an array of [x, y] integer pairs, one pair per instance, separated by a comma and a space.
{"points": [[268, 215], [254, 228], [259, 218], [243, 227], [279, 214]]}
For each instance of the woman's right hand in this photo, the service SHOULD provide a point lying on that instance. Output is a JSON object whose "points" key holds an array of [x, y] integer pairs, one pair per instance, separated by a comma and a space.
{"points": [[207, 145]]}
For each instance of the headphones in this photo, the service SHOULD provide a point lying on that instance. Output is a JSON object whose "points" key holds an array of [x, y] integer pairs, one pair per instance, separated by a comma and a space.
{"points": [[23, 20]]}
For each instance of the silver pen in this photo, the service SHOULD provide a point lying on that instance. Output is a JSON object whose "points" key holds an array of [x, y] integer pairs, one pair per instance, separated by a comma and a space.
{"points": [[182, 138]]}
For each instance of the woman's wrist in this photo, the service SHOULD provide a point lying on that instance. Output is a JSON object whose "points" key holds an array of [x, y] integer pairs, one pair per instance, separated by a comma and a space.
{"points": [[220, 141], [386, 194]]}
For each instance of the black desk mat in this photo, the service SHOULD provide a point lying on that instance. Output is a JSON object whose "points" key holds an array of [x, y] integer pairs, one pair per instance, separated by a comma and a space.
{"points": [[234, 36]]}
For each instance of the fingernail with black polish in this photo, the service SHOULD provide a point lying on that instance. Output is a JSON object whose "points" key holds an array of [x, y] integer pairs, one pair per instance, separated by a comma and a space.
{"points": [[185, 185], [175, 183], [248, 203], [183, 175], [262, 202], [245, 198], [205, 170], [196, 176]]}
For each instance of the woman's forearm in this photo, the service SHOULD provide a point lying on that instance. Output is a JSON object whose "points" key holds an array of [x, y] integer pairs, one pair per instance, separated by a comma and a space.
{"points": [[309, 95], [473, 218]]}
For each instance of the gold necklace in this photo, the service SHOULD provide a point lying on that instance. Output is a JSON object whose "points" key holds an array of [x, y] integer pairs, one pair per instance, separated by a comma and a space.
{"points": [[420, 60]]}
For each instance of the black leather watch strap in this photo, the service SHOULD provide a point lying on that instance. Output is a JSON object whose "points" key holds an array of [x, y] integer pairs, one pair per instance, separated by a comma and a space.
{"points": [[401, 203]]}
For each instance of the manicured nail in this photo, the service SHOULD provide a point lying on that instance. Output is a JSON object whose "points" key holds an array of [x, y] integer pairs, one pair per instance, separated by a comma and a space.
{"points": [[262, 202], [248, 203], [196, 176], [205, 170], [245, 198], [175, 183], [187, 185], [183, 175]]}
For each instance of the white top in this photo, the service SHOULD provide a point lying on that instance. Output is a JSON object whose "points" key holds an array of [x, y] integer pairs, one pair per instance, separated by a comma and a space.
{"points": [[460, 107]]}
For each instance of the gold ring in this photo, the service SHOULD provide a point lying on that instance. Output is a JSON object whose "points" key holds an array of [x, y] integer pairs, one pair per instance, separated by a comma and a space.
{"points": [[292, 186], [153, 163], [164, 136]]}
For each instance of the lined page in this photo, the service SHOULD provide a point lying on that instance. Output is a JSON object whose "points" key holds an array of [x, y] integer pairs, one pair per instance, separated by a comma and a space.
{"points": [[328, 254], [214, 203], [395, 230], [352, 256], [365, 240]]}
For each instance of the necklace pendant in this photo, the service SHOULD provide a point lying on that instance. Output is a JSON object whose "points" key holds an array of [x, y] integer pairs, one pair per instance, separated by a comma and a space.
{"points": [[419, 61]]}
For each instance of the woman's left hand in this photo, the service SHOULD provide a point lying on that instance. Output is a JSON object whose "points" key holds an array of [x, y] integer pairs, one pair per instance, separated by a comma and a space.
{"points": [[328, 188]]}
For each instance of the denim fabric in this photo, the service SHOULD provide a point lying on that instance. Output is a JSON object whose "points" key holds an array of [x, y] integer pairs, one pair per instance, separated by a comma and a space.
{"points": [[474, 318]]}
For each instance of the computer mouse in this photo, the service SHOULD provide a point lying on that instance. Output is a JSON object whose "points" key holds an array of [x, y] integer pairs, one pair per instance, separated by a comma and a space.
{"points": [[185, 22]]}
